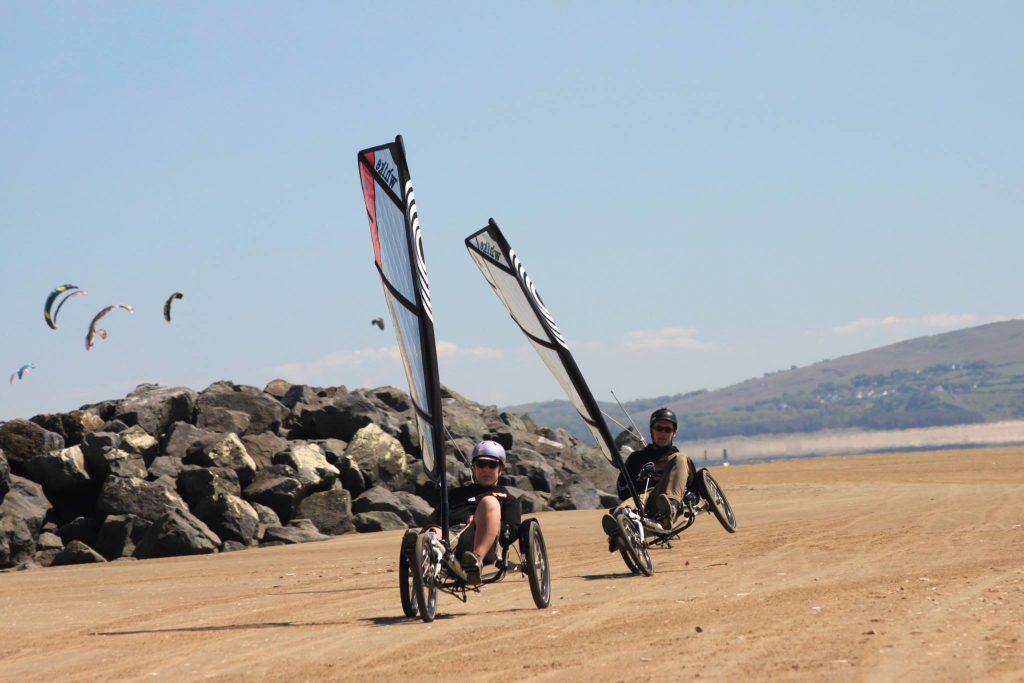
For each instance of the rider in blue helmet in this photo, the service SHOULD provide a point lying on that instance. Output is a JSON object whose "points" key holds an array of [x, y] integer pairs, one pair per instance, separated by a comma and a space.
{"points": [[479, 512]]}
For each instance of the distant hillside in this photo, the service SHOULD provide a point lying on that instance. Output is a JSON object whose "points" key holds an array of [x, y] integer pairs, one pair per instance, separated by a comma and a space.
{"points": [[961, 377]]}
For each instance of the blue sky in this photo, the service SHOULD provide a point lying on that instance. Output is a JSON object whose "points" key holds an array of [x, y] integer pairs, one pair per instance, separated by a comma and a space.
{"points": [[702, 192]]}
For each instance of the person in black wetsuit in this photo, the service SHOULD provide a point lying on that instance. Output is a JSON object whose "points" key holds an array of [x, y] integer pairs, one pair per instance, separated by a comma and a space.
{"points": [[486, 509], [674, 474]]}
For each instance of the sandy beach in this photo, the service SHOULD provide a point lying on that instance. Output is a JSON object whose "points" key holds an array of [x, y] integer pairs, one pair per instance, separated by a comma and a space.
{"points": [[904, 567]]}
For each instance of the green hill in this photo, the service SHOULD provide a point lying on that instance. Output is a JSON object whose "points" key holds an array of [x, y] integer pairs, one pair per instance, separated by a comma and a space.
{"points": [[961, 377]]}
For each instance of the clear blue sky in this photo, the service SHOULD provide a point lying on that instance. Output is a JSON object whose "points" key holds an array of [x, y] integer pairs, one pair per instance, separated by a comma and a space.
{"points": [[702, 191]]}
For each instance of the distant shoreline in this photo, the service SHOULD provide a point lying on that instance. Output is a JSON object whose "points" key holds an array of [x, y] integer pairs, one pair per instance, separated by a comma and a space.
{"points": [[744, 449]]}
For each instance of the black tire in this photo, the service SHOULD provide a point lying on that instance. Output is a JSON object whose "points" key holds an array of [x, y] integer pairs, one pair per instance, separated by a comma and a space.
{"points": [[537, 569], [719, 504], [635, 550], [422, 581], [628, 559], [405, 575]]}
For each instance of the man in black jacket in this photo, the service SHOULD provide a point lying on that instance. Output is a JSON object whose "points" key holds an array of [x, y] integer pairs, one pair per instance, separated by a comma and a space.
{"points": [[481, 511], [673, 477]]}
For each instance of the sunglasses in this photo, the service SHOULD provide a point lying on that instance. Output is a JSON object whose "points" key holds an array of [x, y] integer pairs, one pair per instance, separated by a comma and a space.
{"points": [[667, 430], [487, 464]]}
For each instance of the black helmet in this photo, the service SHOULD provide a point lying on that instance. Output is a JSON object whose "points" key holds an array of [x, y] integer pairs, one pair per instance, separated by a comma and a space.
{"points": [[665, 415]]}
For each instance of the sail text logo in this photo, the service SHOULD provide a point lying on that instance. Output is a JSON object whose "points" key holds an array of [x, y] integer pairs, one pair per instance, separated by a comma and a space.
{"points": [[488, 250], [387, 173]]}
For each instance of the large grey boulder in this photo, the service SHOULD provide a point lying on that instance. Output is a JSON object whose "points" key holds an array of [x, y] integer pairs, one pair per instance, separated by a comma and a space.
{"points": [[310, 464], [178, 532], [263, 447], [119, 534], [380, 458], [17, 543], [77, 552], [181, 436], [277, 487], [225, 451], [155, 408], [341, 418], [59, 471], [26, 500], [419, 509], [265, 412], [230, 517], [576, 494], [297, 531], [381, 499], [20, 440], [72, 426], [221, 419], [196, 483], [5, 476], [130, 495], [81, 528], [104, 456], [330, 511], [378, 520]]}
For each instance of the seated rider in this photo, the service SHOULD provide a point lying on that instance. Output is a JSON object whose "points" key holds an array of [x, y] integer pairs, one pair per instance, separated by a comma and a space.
{"points": [[487, 509], [674, 476]]}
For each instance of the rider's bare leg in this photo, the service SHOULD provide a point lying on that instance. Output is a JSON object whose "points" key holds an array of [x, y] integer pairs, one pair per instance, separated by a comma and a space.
{"points": [[488, 523]]}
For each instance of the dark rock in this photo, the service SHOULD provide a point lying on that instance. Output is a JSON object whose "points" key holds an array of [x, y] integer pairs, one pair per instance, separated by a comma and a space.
{"points": [[379, 498], [608, 500], [297, 531], [378, 520], [230, 517], [575, 495], [116, 462], [177, 533], [82, 529], [17, 542], [268, 518], [118, 535], [59, 471], [155, 408], [5, 476], [26, 501], [197, 483], [334, 450], [534, 501], [350, 476], [541, 475], [330, 511], [263, 447], [277, 487], [77, 552], [181, 436], [265, 412], [20, 440], [95, 443], [114, 426], [419, 509], [310, 464], [341, 418], [165, 465], [145, 499], [222, 419], [72, 427]]}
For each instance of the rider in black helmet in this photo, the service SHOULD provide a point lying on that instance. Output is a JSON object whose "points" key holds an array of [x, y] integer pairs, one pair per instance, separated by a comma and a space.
{"points": [[673, 477]]}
